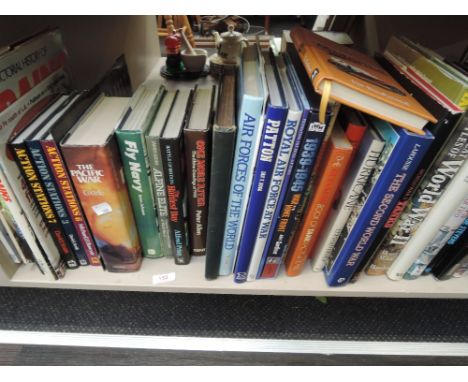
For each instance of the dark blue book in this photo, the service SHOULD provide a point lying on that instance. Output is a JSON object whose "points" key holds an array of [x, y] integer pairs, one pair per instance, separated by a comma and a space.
{"points": [[273, 126], [408, 149]]}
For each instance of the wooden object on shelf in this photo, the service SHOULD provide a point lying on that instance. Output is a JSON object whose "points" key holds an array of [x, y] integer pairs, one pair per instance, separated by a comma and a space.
{"points": [[173, 23]]}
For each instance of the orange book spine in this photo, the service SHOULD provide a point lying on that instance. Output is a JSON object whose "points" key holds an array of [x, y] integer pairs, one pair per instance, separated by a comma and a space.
{"points": [[331, 176]]}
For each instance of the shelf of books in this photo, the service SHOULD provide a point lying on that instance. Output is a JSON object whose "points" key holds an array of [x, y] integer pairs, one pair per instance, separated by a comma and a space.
{"points": [[311, 170]]}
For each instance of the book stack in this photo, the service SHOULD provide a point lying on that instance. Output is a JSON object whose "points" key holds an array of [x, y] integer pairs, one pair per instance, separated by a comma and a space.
{"points": [[315, 156]]}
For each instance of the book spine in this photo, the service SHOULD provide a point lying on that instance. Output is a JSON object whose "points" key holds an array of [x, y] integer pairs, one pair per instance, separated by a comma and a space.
{"points": [[241, 180], [446, 258], [97, 176], [45, 174], [36, 188], [358, 178], [334, 168], [393, 180], [159, 190], [446, 166], [64, 185], [32, 63], [273, 199], [275, 119], [172, 158], [11, 224], [197, 157], [220, 179], [305, 161], [461, 269], [136, 169]]}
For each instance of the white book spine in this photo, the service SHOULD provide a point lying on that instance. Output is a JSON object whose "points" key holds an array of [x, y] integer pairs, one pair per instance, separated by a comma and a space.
{"points": [[452, 197], [286, 147], [439, 240], [7, 241], [358, 176]]}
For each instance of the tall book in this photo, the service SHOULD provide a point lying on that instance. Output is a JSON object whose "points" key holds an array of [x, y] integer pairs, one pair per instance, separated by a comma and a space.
{"points": [[356, 80], [273, 125], [224, 140], [27, 62], [171, 144], [401, 161], [24, 209], [251, 100], [424, 63], [32, 176], [448, 213], [92, 156], [447, 118], [333, 169], [197, 146], [293, 129], [359, 173], [451, 255], [131, 139], [306, 152], [157, 171], [435, 181]]}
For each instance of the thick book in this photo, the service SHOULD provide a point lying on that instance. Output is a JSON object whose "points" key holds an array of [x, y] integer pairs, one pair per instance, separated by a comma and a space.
{"points": [[157, 171], [293, 128], [251, 95], [442, 236], [359, 173], [356, 80], [223, 144], [308, 151], [15, 118], [42, 199], [447, 121], [449, 257], [273, 125], [331, 174], [399, 166], [28, 62], [435, 181], [171, 144], [449, 81], [133, 153], [92, 156], [197, 146], [436, 229]]}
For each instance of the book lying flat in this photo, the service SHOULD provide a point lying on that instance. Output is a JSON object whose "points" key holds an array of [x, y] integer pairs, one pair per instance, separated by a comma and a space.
{"points": [[356, 80]]}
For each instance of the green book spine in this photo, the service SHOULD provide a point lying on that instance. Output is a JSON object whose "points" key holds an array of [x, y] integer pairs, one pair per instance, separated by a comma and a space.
{"points": [[159, 190], [137, 175]]}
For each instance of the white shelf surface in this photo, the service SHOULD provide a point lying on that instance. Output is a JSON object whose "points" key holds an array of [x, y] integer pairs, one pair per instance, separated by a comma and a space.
{"points": [[190, 279]]}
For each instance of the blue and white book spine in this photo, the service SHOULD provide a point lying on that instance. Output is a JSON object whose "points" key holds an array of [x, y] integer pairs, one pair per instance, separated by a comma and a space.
{"points": [[273, 200], [392, 182], [250, 117], [274, 122]]}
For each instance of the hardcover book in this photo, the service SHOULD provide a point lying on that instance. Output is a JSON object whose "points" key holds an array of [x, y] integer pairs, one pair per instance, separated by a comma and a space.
{"points": [[273, 125], [359, 173], [308, 151], [293, 127], [224, 140], [333, 169], [251, 96], [172, 156], [399, 164], [356, 80], [92, 157], [447, 121], [28, 62], [131, 139], [445, 216], [13, 120], [197, 142]]}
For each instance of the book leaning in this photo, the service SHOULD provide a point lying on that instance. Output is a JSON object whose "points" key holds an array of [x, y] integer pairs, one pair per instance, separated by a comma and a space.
{"points": [[25, 211]]}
